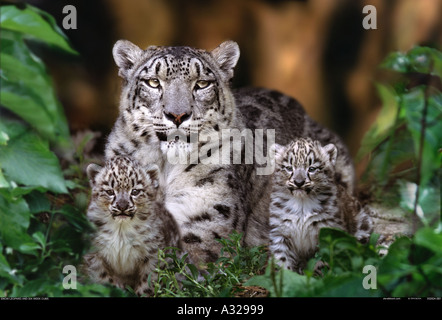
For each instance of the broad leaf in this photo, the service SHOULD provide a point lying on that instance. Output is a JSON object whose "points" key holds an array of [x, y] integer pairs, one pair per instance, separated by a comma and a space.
{"points": [[27, 90], [27, 159], [428, 238], [30, 22], [385, 121], [413, 104], [14, 221]]}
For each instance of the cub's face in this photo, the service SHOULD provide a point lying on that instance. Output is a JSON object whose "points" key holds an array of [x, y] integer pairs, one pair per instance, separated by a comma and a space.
{"points": [[122, 189], [305, 168], [172, 92]]}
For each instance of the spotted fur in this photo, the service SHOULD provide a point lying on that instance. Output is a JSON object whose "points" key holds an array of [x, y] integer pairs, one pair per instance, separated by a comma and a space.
{"points": [[132, 224], [172, 100], [306, 198]]}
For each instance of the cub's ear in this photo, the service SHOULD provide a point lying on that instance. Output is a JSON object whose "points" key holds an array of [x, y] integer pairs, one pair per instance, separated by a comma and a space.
{"points": [[279, 152], [226, 55], [331, 151], [153, 172], [91, 172], [125, 55]]}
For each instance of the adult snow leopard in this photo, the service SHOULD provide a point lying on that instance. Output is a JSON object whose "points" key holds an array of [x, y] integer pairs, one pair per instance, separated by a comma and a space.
{"points": [[176, 102]]}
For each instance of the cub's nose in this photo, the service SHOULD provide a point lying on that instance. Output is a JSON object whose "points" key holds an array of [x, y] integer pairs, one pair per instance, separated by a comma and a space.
{"points": [[122, 205], [299, 183], [177, 119]]}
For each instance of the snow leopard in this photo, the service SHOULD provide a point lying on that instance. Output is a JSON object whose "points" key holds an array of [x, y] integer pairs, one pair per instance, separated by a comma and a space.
{"points": [[305, 198], [176, 104], [132, 224]]}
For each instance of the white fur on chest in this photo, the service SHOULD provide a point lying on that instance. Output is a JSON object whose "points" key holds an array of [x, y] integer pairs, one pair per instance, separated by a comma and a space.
{"points": [[295, 223], [183, 199], [123, 248]]}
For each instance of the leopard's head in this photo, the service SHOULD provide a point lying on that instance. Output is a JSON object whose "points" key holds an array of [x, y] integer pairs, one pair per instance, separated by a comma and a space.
{"points": [[172, 92], [305, 167]]}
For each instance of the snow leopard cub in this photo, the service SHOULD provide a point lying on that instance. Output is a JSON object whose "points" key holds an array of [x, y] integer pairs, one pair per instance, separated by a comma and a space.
{"points": [[132, 224], [306, 198]]}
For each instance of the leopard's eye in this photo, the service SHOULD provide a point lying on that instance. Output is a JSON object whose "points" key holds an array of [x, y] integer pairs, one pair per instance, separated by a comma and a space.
{"points": [[201, 84], [135, 192], [153, 83], [110, 192], [312, 169], [288, 168]]}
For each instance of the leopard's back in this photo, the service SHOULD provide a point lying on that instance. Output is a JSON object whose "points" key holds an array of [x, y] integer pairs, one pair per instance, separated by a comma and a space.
{"points": [[270, 109]]}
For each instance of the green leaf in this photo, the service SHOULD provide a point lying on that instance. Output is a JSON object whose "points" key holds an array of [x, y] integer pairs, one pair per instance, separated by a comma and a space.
{"points": [[34, 288], [7, 272], [26, 89], [3, 182], [3, 138], [27, 159], [396, 61], [385, 121], [29, 248], [347, 286], [75, 217], [40, 238], [38, 202], [413, 104], [34, 24], [425, 60], [419, 59], [14, 221], [428, 238]]}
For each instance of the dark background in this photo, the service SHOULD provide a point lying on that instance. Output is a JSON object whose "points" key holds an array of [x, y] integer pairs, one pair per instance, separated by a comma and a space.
{"points": [[316, 50]]}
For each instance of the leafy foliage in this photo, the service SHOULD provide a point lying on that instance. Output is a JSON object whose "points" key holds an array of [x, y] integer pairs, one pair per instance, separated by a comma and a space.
{"points": [[404, 144], [235, 265], [412, 267], [39, 232]]}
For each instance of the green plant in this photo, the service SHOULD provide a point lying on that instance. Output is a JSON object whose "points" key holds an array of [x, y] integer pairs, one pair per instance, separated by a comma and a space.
{"points": [[235, 265], [404, 151], [41, 225], [412, 268], [404, 144]]}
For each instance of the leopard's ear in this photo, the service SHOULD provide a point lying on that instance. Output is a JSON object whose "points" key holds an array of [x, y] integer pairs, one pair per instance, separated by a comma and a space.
{"points": [[226, 55], [332, 152], [153, 172], [125, 55], [92, 170]]}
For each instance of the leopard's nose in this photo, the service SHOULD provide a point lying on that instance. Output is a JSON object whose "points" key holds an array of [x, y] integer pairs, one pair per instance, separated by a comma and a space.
{"points": [[177, 119]]}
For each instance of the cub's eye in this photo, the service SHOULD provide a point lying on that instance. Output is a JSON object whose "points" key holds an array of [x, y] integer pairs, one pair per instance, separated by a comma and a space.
{"points": [[201, 84], [110, 192], [135, 192], [154, 83], [288, 168], [312, 169]]}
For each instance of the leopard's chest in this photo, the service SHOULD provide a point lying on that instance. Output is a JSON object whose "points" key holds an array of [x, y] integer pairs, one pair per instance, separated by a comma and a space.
{"points": [[191, 190]]}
